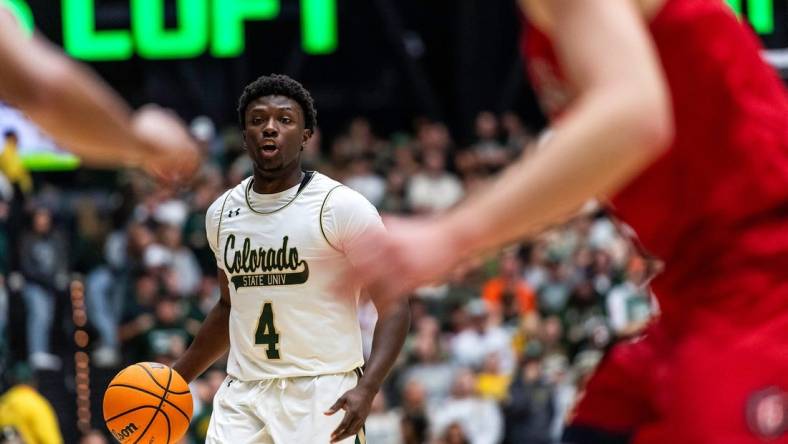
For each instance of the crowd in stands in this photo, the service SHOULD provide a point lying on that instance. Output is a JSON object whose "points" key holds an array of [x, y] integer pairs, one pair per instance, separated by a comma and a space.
{"points": [[495, 355]]}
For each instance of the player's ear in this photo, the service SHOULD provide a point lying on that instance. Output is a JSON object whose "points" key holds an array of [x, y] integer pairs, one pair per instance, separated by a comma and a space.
{"points": [[307, 135], [243, 137]]}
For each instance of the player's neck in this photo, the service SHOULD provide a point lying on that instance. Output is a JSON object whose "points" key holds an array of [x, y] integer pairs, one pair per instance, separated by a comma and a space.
{"points": [[266, 184]]}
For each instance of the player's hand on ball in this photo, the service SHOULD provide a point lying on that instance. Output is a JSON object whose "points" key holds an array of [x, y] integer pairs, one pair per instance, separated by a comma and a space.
{"points": [[173, 155], [356, 403]]}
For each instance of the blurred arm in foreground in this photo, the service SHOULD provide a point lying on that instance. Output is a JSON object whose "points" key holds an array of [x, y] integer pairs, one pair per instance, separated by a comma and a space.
{"points": [[84, 115], [619, 122]]}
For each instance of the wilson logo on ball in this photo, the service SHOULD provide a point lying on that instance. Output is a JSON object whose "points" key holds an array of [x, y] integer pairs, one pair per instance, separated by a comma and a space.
{"points": [[125, 432]]}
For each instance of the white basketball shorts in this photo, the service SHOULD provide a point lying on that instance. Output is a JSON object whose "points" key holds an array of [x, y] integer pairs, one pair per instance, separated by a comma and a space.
{"points": [[279, 411]]}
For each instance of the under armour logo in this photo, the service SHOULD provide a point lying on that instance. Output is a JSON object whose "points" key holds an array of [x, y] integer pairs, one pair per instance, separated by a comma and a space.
{"points": [[235, 212]]}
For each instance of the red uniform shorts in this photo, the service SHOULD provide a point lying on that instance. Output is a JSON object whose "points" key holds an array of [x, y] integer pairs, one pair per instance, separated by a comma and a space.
{"points": [[714, 382]]}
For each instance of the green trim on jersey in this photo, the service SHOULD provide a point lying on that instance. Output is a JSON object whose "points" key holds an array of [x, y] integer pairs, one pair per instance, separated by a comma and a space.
{"points": [[361, 436], [322, 231], [221, 216], [264, 213]]}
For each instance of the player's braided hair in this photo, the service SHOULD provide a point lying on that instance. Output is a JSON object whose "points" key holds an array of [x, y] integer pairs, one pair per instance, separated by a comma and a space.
{"points": [[279, 85]]}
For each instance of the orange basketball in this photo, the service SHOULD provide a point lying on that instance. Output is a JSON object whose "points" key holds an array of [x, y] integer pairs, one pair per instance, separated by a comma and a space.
{"points": [[147, 403]]}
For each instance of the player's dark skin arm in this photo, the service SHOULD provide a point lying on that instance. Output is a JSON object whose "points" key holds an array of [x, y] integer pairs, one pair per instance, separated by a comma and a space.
{"points": [[387, 340], [212, 340]]}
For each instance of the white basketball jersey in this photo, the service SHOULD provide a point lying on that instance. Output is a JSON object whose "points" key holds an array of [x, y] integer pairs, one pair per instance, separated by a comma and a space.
{"points": [[288, 316]]}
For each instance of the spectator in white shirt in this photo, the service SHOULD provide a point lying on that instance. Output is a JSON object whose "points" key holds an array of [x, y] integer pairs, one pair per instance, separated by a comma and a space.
{"points": [[363, 179], [433, 189], [382, 425], [629, 303], [472, 345], [480, 419]]}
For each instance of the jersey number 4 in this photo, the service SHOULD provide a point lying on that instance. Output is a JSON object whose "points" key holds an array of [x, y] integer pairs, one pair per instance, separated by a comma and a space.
{"points": [[266, 332]]}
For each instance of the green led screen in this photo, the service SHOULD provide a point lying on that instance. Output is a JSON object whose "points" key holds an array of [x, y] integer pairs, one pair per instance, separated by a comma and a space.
{"points": [[215, 26], [218, 27], [760, 13]]}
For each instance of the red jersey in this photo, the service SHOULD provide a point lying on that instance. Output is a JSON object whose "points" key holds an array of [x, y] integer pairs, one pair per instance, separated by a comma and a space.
{"points": [[714, 207]]}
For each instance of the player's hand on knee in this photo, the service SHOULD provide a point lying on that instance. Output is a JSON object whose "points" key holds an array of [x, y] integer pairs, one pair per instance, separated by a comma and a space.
{"points": [[173, 156], [356, 403]]}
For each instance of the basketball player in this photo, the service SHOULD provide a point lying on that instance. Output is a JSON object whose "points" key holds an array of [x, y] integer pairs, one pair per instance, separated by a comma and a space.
{"points": [[280, 238], [84, 115], [665, 107]]}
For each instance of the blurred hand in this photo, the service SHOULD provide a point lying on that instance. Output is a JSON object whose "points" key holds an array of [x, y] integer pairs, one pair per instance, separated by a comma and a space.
{"points": [[356, 403], [408, 254], [174, 155]]}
